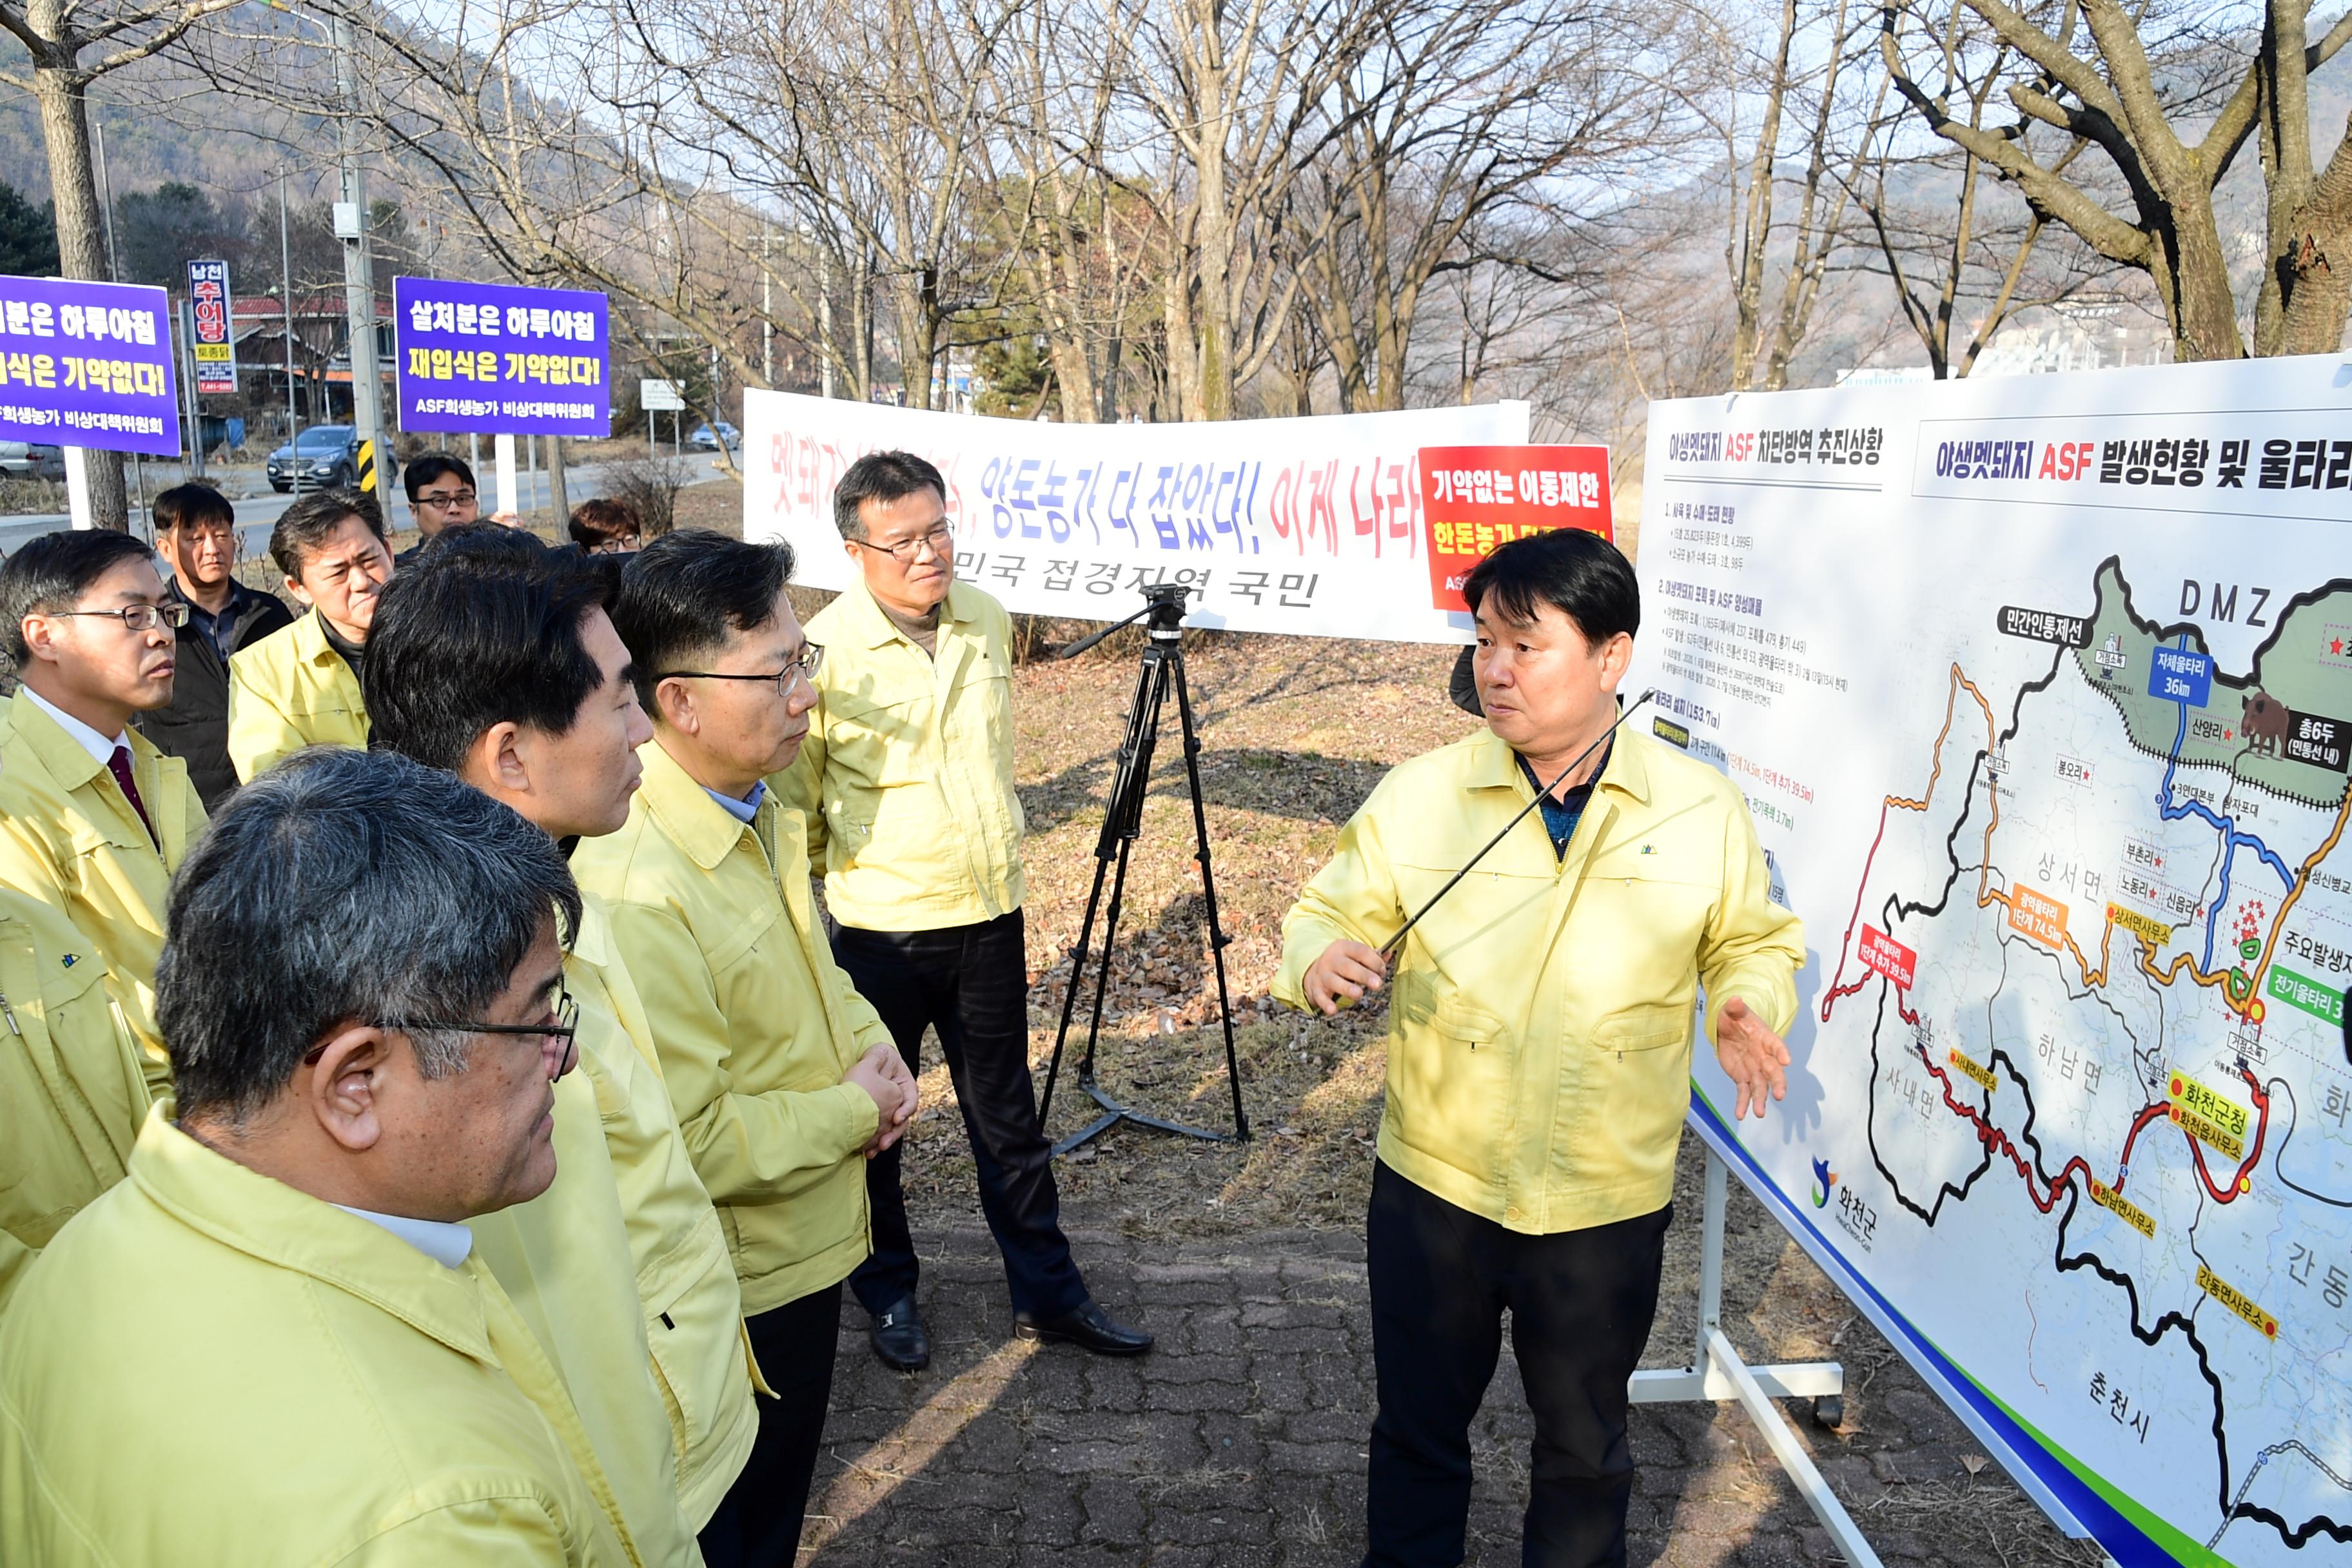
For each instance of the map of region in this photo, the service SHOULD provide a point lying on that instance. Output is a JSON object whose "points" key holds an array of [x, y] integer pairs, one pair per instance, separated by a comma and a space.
{"points": [[2097, 967]]}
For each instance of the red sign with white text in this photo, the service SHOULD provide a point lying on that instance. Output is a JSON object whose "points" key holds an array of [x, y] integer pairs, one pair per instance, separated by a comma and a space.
{"points": [[1888, 957], [1474, 499]]}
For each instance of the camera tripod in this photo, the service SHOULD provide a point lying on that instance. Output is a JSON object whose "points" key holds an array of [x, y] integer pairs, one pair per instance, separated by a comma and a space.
{"points": [[1163, 665]]}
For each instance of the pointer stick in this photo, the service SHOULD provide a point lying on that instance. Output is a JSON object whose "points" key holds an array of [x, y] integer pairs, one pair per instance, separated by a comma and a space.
{"points": [[1394, 943]]}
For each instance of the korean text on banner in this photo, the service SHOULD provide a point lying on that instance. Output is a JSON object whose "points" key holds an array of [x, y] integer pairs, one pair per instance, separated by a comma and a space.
{"points": [[2036, 687], [214, 348], [1475, 499], [1311, 526], [495, 359], [88, 364]]}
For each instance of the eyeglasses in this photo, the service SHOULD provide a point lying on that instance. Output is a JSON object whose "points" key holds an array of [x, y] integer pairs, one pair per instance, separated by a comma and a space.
{"points": [[139, 617], [940, 539], [565, 1027], [445, 500], [807, 662]]}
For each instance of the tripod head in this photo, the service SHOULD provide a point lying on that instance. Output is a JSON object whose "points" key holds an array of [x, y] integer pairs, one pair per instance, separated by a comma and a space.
{"points": [[1163, 603]]}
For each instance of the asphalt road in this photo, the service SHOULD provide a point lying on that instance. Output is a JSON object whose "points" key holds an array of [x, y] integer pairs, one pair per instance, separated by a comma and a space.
{"points": [[256, 514]]}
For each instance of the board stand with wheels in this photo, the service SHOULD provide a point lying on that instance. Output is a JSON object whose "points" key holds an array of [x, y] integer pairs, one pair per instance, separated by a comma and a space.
{"points": [[1716, 1372]]}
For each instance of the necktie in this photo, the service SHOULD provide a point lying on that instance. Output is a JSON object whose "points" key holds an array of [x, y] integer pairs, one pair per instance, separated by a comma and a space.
{"points": [[119, 764]]}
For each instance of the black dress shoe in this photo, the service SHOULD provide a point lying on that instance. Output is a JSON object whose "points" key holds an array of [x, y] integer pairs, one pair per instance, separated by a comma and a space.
{"points": [[1087, 1326], [899, 1337]]}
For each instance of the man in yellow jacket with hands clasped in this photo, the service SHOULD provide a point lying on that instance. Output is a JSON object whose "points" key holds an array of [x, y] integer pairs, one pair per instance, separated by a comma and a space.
{"points": [[363, 997], [784, 1078], [1540, 1022]]}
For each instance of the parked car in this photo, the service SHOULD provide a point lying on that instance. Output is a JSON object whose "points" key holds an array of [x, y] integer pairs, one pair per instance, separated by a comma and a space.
{"points": [[324, 456], [32, 460], [705, 439]]}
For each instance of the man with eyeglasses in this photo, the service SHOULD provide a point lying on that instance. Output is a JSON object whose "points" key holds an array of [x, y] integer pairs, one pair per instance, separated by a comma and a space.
{"points": [[301, 687], [784, 1078], [441, 493], [301, 1237], [906, 780], [195, 533], [93, 818], [503, 668]]}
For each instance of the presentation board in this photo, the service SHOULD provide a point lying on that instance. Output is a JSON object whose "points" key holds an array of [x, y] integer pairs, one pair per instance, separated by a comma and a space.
{"points": [[2040, 691], [1311, 526]]}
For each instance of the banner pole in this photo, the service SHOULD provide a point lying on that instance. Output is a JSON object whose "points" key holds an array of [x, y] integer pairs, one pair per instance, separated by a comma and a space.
{"points": [[78, 487], [503, 446]]}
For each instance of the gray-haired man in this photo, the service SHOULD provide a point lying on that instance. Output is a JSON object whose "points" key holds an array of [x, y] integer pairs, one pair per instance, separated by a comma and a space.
{"points": [[360, 991]]}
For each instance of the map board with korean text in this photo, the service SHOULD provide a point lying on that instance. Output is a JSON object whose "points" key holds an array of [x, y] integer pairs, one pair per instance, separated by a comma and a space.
{"points": [[2040, 690]]}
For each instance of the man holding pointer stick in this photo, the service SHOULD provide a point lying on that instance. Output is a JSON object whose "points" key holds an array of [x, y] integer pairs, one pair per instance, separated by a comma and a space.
{"points": [[1540, 1024]]}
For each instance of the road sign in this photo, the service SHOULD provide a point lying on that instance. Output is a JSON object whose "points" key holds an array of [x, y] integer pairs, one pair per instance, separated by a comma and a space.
{"points": [[659, 396], [365, 483], [215, 350]]}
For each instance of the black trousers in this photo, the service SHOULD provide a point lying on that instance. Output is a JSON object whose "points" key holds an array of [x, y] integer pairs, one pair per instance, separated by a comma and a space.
{"points": [[1581, 1304], [759, 1523], [971, 984]]}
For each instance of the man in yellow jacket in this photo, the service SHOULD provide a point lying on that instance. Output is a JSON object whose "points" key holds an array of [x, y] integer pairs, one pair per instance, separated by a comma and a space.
{"points": [[93, 818], [494, 660], [300, 685], [348, 1383], [782, 1076], [1540, 1021], [906, 780]]}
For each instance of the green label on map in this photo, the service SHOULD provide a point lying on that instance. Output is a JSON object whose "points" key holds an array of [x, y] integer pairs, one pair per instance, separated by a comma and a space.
{"points": [[2299, 991]]}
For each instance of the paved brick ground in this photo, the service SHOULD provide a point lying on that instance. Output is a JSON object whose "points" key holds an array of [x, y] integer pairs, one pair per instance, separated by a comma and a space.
{"points": [[1241, 1441]]}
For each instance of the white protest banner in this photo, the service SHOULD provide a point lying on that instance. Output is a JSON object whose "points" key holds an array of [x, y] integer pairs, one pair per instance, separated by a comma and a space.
{"points": [[1310, 526], [2039, 690]]}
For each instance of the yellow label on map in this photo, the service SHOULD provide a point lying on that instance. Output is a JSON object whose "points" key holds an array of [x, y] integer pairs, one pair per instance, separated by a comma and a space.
{"points": [[2156, 933], [1982, 1075], [2043, 919], [2222, 1116], [2230, 1296], [2130, 1212]]}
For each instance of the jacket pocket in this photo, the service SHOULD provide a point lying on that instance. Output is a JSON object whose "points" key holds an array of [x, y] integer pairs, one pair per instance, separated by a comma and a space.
{"points": [[1650, 1027], [1449, 1079], [693, 1321]]}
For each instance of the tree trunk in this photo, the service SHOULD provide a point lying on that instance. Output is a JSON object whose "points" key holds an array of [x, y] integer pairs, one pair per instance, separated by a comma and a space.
{"points": [[1747, 281], [2283, 140], [81, 244], [2320, 291], [2204, 311]]}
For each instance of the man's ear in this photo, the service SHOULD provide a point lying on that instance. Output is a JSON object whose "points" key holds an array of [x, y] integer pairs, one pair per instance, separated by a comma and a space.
{"points": [[674, 705], [41, 636], [1616, 658], [346, 1083], [496, 759], [301, 594]]}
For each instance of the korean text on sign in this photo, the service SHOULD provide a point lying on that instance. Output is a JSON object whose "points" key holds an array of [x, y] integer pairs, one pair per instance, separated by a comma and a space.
{"points": [[1477, 498], [87, 364], [493, 358]]}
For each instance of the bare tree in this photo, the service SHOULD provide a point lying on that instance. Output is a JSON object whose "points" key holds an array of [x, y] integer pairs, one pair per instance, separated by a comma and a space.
{"points": [[2135, 82], [68, 45]]}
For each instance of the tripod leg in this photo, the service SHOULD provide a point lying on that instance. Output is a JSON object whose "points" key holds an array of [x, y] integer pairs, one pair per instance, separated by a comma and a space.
{"points": [[1070, 991], [1143, 734], [1217, 938], [1102, 964]]}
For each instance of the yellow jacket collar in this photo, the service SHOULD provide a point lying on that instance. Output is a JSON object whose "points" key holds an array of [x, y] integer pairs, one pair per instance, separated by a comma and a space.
{"points": [[1494, 765], [686, 810], [309, 633], [266, 1219], [591, 944], [56, 750], [863, 622]]}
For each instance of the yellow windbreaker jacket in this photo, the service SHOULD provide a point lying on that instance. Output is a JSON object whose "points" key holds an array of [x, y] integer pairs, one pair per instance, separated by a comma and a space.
{"points": [[906, 777], [686, 1279], [68, 838], [336, 1396], [757, 1024], [1540, 1016], [289, 691], [72, 1092]]}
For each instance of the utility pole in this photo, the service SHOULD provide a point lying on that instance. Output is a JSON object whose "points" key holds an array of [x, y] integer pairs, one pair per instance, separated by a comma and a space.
{"points": [[767, 312], [286, 298], [359, 271]]}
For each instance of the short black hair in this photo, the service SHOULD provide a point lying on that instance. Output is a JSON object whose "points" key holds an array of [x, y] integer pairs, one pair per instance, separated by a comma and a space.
{"points": [[344, 886], [1573, 569], [309, 521], [427, 466], [486, 541], [683, 595], [884, 476], [52, 572], [603, 519], [468, 638], [191, 503]]}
